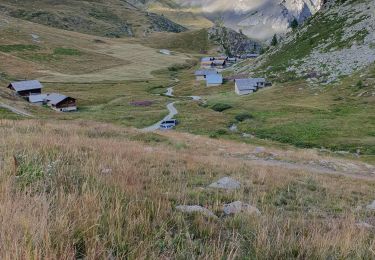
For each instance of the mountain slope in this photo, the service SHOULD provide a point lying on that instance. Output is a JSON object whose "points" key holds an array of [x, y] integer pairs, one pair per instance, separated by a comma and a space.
{"points": [[113, 18], [336, 42], [258, 19]]}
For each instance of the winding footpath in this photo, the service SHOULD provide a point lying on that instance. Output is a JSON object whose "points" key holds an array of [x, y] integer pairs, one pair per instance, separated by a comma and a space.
{"points": [[15, 110], [172, 111]]}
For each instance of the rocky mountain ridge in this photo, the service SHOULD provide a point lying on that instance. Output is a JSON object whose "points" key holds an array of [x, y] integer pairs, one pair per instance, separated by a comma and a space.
{"points": [[258, 19], [336, 42]]}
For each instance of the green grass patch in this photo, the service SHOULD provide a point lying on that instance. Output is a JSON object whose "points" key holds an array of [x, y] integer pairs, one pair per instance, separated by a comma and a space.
{"points": [[18, 48], [220, 107]]}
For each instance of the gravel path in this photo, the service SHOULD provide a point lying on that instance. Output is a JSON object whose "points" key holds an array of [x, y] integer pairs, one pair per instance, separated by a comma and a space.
{"points": [[172, 112]]}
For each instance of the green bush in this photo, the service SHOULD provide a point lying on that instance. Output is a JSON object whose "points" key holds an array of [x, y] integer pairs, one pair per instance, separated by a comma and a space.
{"points": [[243, 116], [18, 47], [220, 107]]}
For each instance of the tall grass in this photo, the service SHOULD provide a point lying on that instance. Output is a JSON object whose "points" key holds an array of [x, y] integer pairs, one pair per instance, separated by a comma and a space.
{"points": [[65, 193]]}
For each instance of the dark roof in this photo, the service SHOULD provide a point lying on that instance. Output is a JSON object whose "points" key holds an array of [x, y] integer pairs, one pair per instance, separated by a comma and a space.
{"points": [[250, 83], [56, 98], [205, 72], [214, 79], [26, 85]]}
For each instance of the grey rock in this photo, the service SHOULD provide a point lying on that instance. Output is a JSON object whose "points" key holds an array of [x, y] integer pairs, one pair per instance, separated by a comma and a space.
{"points": [[371, 206], [364, 225], [195, 209], [240, 207], [259, 150], [106, 171], [226, 183], [233, 128]]}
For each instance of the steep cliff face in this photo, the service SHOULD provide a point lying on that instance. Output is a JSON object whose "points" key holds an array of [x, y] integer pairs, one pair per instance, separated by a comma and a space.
{"points": [[258, 19]]}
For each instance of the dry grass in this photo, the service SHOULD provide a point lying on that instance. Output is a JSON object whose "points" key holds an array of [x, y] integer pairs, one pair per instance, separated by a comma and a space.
{"points": [[58, 200], [101, 59]]}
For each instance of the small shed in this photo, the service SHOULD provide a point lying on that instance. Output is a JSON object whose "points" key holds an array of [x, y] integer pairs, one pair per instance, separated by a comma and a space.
{"points": [[39, 99], [219, 64], [61, 102], [214, 80], [249, 85], [26, 88], [202, 74]]}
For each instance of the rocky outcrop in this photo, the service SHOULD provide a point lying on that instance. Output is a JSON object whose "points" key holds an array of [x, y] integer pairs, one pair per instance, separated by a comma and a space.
{"points": [[232, 42]]}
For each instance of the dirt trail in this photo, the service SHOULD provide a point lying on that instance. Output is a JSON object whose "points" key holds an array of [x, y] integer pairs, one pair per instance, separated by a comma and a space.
{"points": [[15, 110], [172, 112]]}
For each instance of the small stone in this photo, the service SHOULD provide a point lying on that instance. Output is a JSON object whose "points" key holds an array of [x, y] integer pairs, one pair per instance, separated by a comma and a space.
{"points": [[259, 150], [226, 183], [246, 135], [240, 207], [371, 206], [364, 225], [106, 171], [233, 128], [195, 209]]}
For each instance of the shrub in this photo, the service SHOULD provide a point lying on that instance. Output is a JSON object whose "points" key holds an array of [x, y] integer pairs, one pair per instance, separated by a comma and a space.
{"points": [[220, 107], [243, 116]]}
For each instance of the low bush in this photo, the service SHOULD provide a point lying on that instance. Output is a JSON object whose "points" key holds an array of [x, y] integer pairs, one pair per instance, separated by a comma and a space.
{"points": [[243, 116], [220, 107]]}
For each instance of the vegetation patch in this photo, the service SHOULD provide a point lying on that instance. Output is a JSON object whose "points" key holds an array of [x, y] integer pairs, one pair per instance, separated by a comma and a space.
{"points": [[220, 107], [243, 116], [18, 48]]}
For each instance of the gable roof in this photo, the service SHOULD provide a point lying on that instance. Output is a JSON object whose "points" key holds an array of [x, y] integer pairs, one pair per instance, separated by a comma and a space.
{"points": [[248, 84], [26, 85], [55, 98], [214, 79], [219, 62], [205, 72], [205, 59], [37, 98]]}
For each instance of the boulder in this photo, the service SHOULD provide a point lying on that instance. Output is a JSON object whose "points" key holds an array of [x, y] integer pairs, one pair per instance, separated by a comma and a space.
{"points": [[371, 206], [226, 183], [195, 209], [240, 207]]}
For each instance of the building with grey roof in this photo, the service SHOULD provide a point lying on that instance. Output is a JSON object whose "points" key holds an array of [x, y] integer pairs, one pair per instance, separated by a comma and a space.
{"points": [[26, 88], [214, 80], [37, 99], [249, 85], [202, 74], [61, 102]]}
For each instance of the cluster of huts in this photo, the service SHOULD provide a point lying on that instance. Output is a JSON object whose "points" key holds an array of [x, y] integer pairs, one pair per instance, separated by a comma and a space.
{"points": [[31, 90], [209, 72]]}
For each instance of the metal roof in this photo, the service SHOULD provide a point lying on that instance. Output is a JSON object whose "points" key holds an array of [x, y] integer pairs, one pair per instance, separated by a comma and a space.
{"points": [[205, 59], [214, 79], [205, 72], [249, 84], [26, 85], [55, 98], [37, 98]]}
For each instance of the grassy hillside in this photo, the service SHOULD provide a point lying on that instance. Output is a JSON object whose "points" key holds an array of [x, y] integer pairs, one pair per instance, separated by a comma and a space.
{"points": [[113, 18], [73, 190]]}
